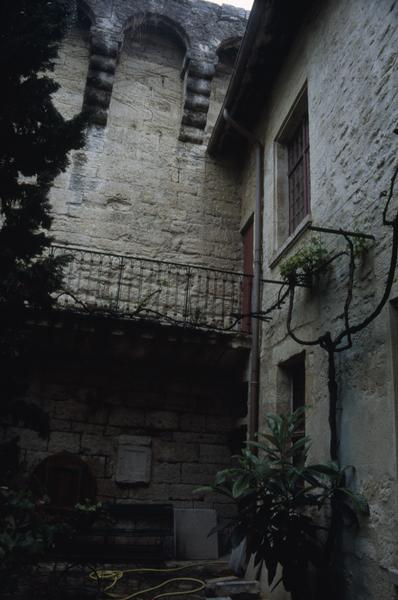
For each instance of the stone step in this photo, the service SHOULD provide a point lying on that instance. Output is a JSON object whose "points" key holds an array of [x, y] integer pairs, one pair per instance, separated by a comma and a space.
{"points": [[237, 589]]}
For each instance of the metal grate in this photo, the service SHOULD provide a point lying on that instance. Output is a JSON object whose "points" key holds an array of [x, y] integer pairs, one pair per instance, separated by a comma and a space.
{"points": [[140, 288], [299, 175]]}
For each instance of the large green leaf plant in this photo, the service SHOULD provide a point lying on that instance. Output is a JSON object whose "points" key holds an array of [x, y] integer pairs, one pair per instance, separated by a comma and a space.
{"points": [[290, 513]]}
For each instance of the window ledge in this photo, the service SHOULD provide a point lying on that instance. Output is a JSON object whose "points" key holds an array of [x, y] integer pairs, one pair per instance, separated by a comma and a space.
{"points": [[290, 241]]}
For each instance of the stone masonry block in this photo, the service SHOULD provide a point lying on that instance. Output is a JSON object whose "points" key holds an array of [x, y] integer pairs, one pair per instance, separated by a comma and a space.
{"points": [[211, 453], [101, 63], [162, 420], [34, 458], [28, 439], [71, 410], [96, 464], [198, 474], [64, 441], [214, 423], [173, 452], [166, 473], [199, 86], [198, 436], [121, 416], [60, 425], [107, 488], [180, 491], [192, 422], [97, 445]]}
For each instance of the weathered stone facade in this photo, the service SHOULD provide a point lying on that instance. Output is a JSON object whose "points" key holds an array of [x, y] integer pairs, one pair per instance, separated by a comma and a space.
{"points": [[143, 184], [151, 76], [103, 390], [344, 53]]}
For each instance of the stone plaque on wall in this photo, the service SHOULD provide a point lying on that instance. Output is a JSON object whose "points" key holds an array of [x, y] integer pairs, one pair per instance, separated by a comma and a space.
{"points": [[134, 458]]}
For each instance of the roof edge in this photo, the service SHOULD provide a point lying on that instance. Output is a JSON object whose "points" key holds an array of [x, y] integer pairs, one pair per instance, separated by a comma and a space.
{"points": [[252, 28]]}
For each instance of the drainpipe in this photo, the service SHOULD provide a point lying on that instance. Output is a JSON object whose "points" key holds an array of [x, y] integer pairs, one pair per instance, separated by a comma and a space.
{"points": [[254, 386]]}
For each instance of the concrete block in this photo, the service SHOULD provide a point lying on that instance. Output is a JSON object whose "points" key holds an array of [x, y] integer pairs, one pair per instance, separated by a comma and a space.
{"points": [[192, 527]]}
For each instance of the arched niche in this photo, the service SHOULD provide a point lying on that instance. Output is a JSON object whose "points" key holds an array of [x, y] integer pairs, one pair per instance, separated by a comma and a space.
{"points": [[141, 23], [66, 480], [148, 89], [147, 97], [85, 16], [226, 53], [72, 65]]}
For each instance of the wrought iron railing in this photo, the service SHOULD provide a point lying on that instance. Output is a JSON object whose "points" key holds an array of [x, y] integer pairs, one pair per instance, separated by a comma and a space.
{"points": [[140, 288]]}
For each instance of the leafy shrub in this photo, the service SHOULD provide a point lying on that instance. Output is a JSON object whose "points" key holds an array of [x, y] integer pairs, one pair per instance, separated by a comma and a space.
{"points": [[26, 535], [284, 506]]}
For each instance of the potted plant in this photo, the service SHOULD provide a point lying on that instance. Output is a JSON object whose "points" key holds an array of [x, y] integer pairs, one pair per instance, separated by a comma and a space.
{"points": [[86, 513], [309, 260]]}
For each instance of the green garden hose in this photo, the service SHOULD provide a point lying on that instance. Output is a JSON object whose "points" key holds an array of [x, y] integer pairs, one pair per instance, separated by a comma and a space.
{"points": [[114, 576]]}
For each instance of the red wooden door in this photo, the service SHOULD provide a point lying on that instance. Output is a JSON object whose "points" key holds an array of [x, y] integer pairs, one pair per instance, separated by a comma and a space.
{"points": [[247, 239]]}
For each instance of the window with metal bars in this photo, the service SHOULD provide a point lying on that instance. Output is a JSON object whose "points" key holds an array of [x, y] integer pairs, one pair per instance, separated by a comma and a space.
{"points": [[298, 150], [292, 173]]}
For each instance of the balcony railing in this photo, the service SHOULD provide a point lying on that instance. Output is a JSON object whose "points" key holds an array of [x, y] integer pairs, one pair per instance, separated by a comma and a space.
{"points": [[140, 288]]}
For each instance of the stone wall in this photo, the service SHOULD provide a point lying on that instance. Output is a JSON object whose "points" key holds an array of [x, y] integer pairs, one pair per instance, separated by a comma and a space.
{"points": [[143, 184], [106, 389], [345, 54], [147, 74]]}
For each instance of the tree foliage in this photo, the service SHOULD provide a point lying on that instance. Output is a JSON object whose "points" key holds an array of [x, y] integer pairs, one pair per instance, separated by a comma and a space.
{"points": [[35, 141]]}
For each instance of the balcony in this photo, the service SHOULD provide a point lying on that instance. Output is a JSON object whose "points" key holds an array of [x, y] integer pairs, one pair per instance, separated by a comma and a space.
{"points": [[129, 287]]}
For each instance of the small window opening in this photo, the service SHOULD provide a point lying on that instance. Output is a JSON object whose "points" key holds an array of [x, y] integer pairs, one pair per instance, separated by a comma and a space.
{"points": [[292, 170], [293, 373]]}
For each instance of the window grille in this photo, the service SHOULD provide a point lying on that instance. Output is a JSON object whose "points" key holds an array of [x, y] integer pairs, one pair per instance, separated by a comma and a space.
{"points": [[299, 175]]}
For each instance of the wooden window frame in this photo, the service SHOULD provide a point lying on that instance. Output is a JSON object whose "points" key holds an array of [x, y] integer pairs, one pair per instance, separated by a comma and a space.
{"points": [[298, 150], [293, 135]]}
